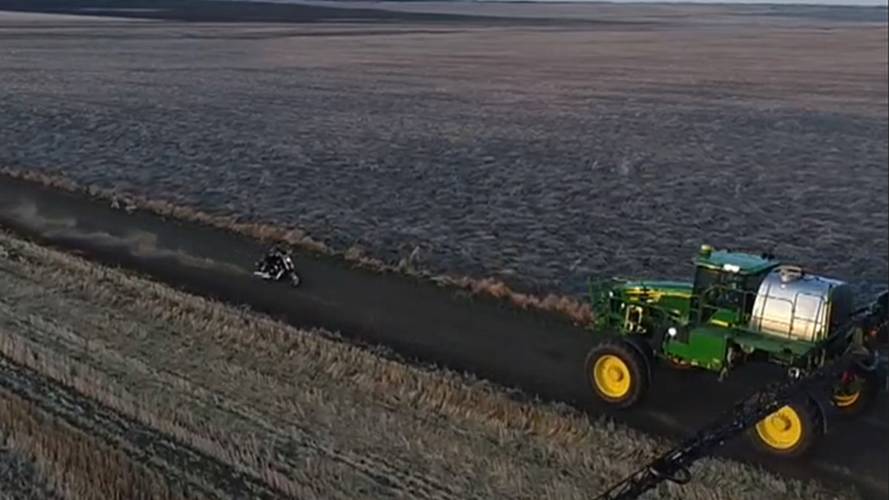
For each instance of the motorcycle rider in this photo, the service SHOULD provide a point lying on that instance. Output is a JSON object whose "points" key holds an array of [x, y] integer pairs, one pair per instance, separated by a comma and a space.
{"points": [[274, 264]]}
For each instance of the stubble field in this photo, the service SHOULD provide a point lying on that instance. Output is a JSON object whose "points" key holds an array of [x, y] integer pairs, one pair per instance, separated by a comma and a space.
{"points": [[19, 478], [540, 154]]}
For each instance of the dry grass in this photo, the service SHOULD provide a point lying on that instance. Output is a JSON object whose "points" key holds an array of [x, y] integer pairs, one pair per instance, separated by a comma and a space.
{"points": [[306, 413], [19, 476], [77, 465], [568, 307], [98, 386]]}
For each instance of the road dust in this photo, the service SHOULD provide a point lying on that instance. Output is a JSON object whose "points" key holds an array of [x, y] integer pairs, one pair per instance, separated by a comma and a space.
{"points": [[135, 242]]}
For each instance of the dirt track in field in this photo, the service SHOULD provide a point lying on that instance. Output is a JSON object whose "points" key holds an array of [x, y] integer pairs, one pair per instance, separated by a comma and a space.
{"points": [[539, 354]]}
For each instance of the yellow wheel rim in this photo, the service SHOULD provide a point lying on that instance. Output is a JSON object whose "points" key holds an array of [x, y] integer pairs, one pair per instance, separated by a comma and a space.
{"points": [[781, 430], [612, 376], [846, 400], [847, 394]]}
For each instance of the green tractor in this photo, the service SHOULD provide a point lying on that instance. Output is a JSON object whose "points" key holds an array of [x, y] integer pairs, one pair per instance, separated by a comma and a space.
{"points": [[741, 308]]}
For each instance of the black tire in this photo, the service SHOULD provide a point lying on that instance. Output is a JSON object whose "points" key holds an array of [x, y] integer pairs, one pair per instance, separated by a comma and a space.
{"points": [[295, 280], [647, 352], [852, 401], [631, 369], [787, 444]]}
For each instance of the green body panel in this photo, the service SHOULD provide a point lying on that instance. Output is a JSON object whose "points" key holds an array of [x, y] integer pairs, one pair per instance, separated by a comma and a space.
{"points": [[725, 318], [706, 347], [678, 288], [782, 348], [674, 296]]}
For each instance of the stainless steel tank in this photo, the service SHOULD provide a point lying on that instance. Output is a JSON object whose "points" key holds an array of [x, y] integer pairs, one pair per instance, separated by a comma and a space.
{"points": [[800, 306]]}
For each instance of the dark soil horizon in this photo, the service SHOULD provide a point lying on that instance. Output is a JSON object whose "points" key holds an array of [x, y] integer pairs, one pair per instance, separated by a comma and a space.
{"points": [[541, 156]]}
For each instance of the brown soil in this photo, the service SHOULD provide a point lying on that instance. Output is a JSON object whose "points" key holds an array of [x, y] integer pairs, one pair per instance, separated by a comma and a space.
{"points": [[539, 154]]}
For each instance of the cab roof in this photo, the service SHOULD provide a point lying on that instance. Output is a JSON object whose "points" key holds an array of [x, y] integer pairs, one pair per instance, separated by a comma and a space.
{"points": [[737, 262]]}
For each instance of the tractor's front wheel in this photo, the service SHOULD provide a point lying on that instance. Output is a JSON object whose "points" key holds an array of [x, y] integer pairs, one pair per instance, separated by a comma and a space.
{"points": [[618, 373], [854, 392], [791, 431]]}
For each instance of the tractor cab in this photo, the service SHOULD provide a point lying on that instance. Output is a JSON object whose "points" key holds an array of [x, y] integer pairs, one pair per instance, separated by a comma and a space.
{"points": [[725, 286], [721, 305]]}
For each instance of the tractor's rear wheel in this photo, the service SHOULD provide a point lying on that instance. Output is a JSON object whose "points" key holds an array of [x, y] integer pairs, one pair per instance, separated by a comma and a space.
{"points": [[618, 373], [791, 431], [854, 392]]}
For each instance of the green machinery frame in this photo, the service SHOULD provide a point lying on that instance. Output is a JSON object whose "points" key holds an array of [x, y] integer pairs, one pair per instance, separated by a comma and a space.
{"points": [[705, 324]]}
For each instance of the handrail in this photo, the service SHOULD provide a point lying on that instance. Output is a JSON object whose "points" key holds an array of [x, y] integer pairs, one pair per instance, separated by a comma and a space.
{"points": [[790, 323]]}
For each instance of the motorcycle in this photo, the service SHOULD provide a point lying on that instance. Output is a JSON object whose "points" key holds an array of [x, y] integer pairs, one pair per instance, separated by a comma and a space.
{"points": [[276, 266]]}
